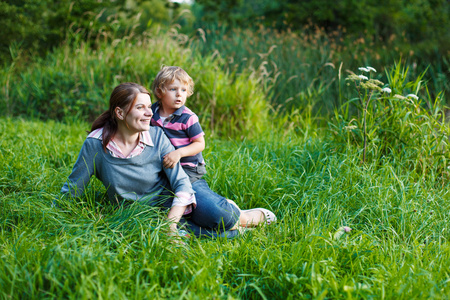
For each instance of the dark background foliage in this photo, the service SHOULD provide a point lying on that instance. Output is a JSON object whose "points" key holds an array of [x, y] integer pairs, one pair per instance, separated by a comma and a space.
{"points": [[424, 22], [39, 25]]}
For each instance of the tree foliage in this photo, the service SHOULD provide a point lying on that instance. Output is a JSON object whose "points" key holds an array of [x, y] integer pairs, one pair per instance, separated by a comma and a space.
{"points": [[419, 21], [40, 25]]}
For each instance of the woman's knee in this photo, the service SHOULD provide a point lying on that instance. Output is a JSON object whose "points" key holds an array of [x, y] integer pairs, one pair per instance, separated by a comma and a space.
{"points": [[213, 210], [213, 216]]}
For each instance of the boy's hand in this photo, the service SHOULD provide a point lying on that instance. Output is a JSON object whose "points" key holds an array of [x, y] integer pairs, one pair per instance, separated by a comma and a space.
{"points": [[171, 159]]}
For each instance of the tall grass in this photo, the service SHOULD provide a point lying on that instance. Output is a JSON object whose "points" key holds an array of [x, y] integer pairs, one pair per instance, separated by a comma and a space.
{"points": [[397, 119], [398, 246], [75, 81], [300, 67], [241, 75]]}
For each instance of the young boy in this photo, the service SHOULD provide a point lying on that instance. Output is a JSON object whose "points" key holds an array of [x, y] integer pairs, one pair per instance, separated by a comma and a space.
{"points": [[172, 86]]}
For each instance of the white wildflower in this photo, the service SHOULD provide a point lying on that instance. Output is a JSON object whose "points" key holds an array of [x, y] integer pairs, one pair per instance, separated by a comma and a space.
{"points": [[362, 77], [364, 69], [348, 288], [386, 90], [412, 96], [341, 231], [371, 69]]}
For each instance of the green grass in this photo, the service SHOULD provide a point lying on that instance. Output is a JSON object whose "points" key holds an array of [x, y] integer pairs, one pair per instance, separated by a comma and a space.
{"points": [[398, 247], [311, 176]]}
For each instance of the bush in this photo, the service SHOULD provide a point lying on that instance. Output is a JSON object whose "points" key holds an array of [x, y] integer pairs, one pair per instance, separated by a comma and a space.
{"points": [[75, 81]]}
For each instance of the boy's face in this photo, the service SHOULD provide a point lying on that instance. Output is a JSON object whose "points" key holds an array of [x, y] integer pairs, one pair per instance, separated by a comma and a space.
{"points": [[175, 97]]}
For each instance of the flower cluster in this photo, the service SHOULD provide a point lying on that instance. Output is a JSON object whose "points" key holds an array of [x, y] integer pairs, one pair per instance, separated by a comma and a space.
{"points": [[364, 81], [367, 69], [412, 96], [374, 84], [362, 77], [340, 232]]}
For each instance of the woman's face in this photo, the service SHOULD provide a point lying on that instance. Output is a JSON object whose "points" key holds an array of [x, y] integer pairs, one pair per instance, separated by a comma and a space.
{"points": [[140, 114]]}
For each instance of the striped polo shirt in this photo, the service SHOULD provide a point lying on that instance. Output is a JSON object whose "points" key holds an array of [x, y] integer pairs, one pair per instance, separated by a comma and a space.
{"points": [[181, 127]]}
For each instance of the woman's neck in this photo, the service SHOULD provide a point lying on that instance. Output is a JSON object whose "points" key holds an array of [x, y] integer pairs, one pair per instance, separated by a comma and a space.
{"points": [[125, 139]]}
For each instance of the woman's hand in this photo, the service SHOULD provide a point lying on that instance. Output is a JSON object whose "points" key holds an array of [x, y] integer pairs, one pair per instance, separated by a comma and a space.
{"points": [[174, 216]]}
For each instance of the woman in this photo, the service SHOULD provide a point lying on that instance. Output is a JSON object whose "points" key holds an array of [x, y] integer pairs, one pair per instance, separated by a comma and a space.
{"points": [[126, 155]]}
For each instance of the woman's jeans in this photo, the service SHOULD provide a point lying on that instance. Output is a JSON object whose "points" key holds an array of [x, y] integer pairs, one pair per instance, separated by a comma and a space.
{"points": [[213, 216]]}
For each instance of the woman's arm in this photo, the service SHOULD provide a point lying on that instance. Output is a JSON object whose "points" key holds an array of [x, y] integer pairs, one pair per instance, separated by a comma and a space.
{"points": [[179, 181], [82, 171], [174, 216]]}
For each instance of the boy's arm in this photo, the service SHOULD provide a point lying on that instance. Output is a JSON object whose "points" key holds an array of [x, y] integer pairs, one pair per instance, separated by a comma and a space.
{"points": [[172, 158]]}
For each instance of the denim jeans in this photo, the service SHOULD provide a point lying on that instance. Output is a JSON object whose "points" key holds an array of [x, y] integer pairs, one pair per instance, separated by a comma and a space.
{"points": [[213, 216]]}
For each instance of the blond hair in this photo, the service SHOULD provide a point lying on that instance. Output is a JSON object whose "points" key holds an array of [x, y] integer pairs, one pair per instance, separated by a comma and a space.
{"points": [[169, 74]]}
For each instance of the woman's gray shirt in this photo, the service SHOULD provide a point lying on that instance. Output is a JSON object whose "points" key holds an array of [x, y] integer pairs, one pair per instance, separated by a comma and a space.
{"points": [[140, 178]]}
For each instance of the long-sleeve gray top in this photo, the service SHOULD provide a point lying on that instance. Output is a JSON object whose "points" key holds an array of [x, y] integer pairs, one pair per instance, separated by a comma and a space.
{"points": [[140, 178]]}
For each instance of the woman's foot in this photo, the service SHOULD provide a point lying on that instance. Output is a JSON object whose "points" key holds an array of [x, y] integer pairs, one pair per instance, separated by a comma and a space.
{"points": [[256, 217]]}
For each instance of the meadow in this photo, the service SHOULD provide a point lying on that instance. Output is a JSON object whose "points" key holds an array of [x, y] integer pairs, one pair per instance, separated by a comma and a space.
{"points": [[377, 163], [397, 246]]}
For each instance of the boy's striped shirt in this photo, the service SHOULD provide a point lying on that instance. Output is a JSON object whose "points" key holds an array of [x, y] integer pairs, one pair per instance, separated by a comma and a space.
{"points": [[182, 127]]}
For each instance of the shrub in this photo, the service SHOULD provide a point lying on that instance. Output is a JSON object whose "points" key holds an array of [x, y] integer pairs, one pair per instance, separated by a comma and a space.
{"points": [[75, 81], [397, 120]]}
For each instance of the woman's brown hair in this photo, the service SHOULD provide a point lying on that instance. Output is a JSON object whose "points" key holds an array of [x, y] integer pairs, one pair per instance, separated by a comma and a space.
{"points": [[123, 96]]}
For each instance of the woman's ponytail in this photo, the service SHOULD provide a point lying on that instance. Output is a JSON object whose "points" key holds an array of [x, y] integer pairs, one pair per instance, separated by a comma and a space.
{"points": [[109, 124]]}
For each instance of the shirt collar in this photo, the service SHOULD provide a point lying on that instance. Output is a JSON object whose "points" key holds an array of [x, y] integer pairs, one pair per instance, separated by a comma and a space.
{"points": [[179, 111], [144, 136]]}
